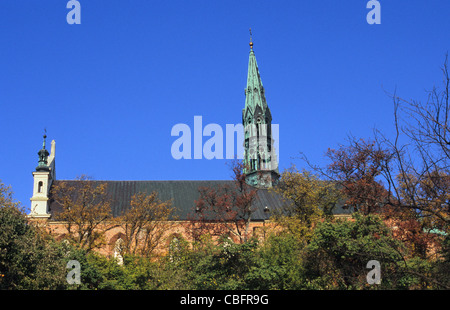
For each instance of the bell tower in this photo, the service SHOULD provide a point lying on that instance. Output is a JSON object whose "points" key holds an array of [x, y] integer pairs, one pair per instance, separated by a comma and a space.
{"points": [[43, 177], [260, 162]]}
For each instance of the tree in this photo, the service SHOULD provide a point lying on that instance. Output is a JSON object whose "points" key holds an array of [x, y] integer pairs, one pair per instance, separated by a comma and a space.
{"points": [[420, 179], [410, 170], [145, 223], [357, 169], [404, 178], [361, 170], [86, 208], [339, 251], [277, 263], [225, 268], [226, 209], [29, 257], [308, 200]]}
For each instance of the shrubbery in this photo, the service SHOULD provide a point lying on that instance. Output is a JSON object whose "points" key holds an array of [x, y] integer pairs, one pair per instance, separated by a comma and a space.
{"points": [[334, 256]]}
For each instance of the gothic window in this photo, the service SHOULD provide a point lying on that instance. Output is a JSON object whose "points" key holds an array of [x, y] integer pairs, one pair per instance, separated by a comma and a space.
{"points": [[174, 249], [118, 249], [40, 186], [175, 244]]}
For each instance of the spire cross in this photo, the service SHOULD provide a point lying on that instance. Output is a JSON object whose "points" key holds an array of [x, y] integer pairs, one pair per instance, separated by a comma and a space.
{"points": [[251, 42]]}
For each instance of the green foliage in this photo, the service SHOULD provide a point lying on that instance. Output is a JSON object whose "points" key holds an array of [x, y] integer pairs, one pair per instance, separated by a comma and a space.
{"points": [[337, 256], [91, 276], [29, 259], [222, 267], [334, 256], [279, 264]]}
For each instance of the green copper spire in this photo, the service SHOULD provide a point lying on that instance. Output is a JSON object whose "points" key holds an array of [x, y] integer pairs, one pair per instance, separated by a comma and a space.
{"points": [[254, 91], [259, 159], [43, 158]]}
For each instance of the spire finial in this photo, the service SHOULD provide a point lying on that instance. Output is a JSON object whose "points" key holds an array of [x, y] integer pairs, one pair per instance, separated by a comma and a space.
{"points": [[251, 41], [45, 136]]}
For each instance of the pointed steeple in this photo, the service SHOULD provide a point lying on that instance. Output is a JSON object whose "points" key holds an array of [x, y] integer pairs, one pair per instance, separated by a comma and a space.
{"points": [[254, 91], [261, 167]]}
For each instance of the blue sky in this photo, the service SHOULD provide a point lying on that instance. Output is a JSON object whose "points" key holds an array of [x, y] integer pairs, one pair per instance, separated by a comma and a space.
{"points": [[110, 90]]}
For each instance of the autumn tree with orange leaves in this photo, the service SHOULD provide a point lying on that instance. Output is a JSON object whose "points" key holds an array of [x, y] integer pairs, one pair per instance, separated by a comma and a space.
{"points": [[85, 207], [404, 177], [224, 210], [145, 223]]}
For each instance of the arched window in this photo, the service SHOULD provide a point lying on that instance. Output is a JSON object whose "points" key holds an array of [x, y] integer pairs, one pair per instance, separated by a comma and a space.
{"points": [[118, 249], [174, 249], [174, 245], [40, 186]]}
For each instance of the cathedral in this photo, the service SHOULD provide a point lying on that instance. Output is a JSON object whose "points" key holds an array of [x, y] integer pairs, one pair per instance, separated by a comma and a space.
{"points": [[260, 169]]}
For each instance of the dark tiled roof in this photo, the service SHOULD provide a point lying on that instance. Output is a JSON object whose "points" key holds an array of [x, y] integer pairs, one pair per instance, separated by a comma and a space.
{"points": [[182, 193]]}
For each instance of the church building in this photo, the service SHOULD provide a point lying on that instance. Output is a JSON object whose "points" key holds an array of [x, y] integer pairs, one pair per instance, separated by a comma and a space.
{"points": [[260, 162]]}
